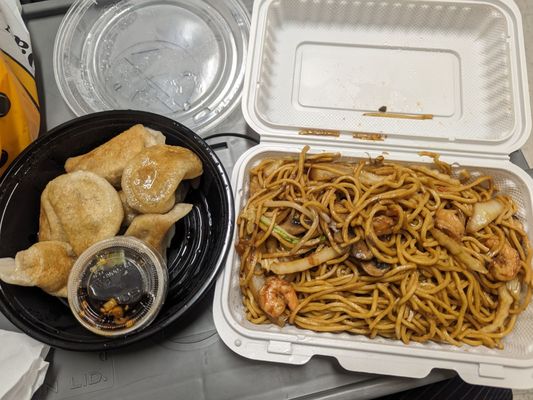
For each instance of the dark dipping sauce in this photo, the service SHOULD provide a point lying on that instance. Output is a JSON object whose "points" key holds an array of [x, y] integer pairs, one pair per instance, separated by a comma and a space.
{"points": [[113, 292]]}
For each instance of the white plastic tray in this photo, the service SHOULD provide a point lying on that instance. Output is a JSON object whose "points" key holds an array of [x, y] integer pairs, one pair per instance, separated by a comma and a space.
{"points": [[321, 64]]}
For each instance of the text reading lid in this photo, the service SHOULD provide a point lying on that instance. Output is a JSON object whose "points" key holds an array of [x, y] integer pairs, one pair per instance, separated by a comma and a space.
{"points": [[455, 70]]}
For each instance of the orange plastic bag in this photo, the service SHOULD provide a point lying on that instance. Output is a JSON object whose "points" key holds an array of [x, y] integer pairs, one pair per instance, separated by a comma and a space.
{"points": [[19, 107]]}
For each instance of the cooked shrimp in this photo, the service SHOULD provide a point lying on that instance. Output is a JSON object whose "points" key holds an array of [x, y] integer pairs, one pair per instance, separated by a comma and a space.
{"points": [[449, 222], [383, 225], [506, 263], [275, 295]]}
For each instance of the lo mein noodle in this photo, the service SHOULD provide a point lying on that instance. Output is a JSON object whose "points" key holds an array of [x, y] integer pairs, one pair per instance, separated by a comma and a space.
{"points": [[379, 248]]}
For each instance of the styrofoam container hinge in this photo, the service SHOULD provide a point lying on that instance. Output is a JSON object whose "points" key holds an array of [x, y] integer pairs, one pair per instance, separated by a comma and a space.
{"points": [[340, 144]]}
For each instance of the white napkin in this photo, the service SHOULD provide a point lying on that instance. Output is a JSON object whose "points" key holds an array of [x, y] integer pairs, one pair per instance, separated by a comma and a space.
{"points": [[22, 365]]}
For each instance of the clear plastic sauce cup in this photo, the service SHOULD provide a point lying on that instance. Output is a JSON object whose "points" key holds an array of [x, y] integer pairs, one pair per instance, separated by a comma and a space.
{"points": [[117, 286]]}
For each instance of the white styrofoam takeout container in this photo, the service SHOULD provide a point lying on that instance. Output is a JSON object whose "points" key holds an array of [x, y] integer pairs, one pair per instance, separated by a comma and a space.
{"points": [[321, 64]]}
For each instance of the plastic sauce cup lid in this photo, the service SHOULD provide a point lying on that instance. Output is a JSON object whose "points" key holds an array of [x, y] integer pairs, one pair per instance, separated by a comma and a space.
{"points": [[117, 286]]}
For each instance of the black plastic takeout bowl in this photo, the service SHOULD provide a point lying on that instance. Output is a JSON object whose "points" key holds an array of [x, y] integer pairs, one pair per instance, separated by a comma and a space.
{"points": [[196, 254]]}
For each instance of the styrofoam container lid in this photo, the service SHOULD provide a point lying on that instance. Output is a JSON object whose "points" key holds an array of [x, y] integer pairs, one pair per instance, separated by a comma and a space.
{"points": [[454, 70]]}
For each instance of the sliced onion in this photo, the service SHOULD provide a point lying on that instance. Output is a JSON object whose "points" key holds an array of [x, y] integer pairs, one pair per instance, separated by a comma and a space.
{"points": [[303, 264], [272, 167], [484, 214], [504, 305], [436, 174], [324, 216], [369, 178], [514, 287], [458, 251], [329, 171], [256, 283], [249, 216]]}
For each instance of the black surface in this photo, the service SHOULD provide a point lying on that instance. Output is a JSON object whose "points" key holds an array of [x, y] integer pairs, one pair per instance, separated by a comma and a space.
{"points": [[5, 104], [195, 256]]}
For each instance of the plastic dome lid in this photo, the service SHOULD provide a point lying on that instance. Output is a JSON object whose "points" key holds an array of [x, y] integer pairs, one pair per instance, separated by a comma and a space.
{"points": [[117, 286], [183, 59]]}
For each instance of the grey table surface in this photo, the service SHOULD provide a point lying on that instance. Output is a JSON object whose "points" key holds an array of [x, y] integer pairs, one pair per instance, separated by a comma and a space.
{"points": [[187, 361]]}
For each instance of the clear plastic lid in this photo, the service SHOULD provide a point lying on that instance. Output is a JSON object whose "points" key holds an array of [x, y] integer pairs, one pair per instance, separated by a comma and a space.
{"points": [[183, 59], [117, 286]]}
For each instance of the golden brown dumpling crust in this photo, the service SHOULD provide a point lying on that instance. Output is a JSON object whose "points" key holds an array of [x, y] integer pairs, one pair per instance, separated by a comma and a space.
{"points": [[129, 213], [109, 159], [45, 264], [153, 228], [84, 208], [50, 227], [150, 179]]}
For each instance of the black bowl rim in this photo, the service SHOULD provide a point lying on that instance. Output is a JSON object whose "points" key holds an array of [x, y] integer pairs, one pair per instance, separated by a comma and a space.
{"points": [[150, 330]]}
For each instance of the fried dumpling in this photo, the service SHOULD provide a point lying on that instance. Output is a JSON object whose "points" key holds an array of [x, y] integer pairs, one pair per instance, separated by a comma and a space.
{"points": [[50, 227], [109, 159], [45, 264], [154, 228], [80, 208], [129, 213], [150, 179]]}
